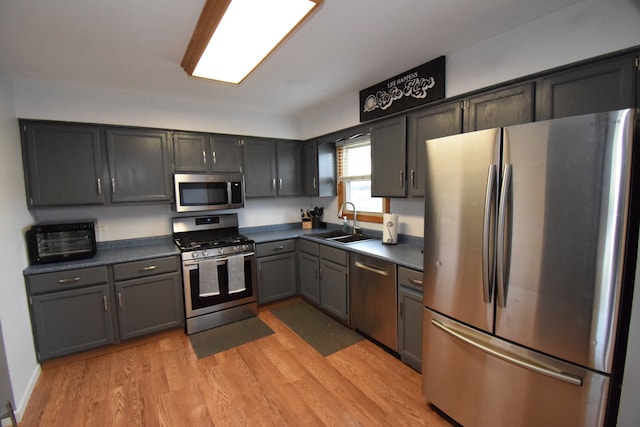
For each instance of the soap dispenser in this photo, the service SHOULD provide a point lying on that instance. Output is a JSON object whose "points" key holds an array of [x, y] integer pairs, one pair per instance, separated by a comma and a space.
{"points": [[345, 225]]}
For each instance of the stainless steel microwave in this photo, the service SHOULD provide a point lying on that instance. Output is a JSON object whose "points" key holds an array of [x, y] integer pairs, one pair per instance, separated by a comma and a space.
{"points": [[61, 241], [206, 192]]}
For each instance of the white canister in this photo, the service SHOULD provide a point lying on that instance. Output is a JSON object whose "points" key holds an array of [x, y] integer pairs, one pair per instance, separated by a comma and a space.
{"points": [[390, 229]]}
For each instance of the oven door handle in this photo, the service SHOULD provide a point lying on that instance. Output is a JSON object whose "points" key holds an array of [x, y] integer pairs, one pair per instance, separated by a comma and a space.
{"points": [[224, 258]]}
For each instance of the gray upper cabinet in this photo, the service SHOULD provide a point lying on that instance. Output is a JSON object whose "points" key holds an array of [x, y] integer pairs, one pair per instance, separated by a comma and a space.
{"points": [[603, 86], [319, 169], [63, 164], [139, 165], [502, 107], [272, 168], [435, 122], [388, 158], [199, 152]]}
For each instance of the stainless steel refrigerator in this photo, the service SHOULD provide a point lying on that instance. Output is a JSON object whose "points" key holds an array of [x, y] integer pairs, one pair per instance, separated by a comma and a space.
{"points": [[529, 246]]}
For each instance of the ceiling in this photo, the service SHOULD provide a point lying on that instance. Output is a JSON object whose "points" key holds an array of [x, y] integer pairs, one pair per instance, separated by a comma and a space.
{"points": [[346, 46]]}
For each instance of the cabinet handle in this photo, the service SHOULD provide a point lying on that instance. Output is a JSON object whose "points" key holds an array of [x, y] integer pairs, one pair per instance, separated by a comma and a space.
{"points": [[317, 274], [120, 299], [315, 183], [320, 275], [204, 157], [413, 178], [69, 280], [113, 185], [106, 304], [278, 248], [214, 158], [372, 268], [280, 182], [415, 282], [273, 184], [148, 268], [99, 186]]}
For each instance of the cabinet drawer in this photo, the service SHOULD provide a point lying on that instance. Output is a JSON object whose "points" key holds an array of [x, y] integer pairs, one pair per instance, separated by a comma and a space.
{"points": [[149, 267], [334, 255], [410, 278], [68, 279], [308, 247], [273, 248]]}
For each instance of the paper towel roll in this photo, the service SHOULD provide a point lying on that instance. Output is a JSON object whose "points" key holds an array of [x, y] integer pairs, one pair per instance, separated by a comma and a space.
{"points": [[390, 229]]}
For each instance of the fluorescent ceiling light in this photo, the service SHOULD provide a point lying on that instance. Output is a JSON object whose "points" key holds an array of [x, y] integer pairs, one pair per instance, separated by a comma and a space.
{"points": [[233, 36]]}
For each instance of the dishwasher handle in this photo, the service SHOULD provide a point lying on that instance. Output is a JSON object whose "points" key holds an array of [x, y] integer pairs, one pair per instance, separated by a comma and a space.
{"points": [[372, 268]]}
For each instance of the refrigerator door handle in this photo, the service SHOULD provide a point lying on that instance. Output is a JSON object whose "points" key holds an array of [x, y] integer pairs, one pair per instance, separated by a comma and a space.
{"points": [[500, 250], [518, 360], [487, 238]]}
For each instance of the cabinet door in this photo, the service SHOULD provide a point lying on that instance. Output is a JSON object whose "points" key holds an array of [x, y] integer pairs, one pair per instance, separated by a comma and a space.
{"points": [[63, 164], [259, 168], [310, 161], [226, 154], [139, 164], [289, 155], [604, 86], [190, 152], [388, 158], [276, 277], [502, 107], [149, 304], [430, 123], [410, 327], [309, 277], [334, 289], [71, 321]]}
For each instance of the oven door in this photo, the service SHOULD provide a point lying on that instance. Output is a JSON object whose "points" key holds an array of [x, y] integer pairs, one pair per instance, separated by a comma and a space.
{"points": [[196, 305]]}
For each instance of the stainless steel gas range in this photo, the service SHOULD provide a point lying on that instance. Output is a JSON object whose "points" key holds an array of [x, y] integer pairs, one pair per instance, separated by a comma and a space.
{"points": [[218, 270]]}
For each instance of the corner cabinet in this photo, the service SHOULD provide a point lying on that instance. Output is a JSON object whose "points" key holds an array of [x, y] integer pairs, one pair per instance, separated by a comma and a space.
{"points": [[199, 152], [148, 296], [139, 165], [63, 164], [388, 158], [272, 168], [276, 270], [71, 311], [319, 159]]}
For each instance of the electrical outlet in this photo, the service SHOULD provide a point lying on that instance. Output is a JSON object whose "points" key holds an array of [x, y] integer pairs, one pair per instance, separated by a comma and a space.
{"points": [[101, 227]]}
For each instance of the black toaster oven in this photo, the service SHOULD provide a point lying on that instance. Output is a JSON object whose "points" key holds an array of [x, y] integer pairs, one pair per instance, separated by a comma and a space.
{"points": [[61, 242]]}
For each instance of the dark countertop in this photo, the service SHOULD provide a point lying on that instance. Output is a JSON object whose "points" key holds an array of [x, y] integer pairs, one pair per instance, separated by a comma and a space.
{"points": [[405, 254], [113, 253]]}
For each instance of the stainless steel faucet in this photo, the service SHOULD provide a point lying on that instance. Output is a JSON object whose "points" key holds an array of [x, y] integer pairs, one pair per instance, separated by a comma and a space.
{"points": [[355, 216]]}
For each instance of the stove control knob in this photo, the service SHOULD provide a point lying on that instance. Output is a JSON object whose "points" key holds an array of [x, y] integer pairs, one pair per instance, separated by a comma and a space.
{"points": [[194, 254], [205, 253]]}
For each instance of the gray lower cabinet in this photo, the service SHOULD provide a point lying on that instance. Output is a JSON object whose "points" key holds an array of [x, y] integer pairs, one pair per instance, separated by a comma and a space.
{"points": [[81, 309], [71, 311], [63, 164], [334, 282], [410, 308], [139, 165], [276, 270], [148, 296], [309, 269]]}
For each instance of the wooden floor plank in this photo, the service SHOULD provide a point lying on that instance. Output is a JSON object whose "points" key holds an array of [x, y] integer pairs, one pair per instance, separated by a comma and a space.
{"points": [[278, 380]]}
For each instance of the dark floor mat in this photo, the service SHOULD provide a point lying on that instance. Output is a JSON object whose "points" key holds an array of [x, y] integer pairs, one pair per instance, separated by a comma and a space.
{"points": [[224, 337]]}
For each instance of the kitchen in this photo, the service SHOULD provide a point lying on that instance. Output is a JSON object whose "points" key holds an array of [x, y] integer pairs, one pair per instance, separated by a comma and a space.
{"points": [[541, 44]]}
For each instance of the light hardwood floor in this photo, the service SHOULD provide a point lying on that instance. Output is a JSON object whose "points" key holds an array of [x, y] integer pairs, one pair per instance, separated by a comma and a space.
{"points": [[278, 380]]}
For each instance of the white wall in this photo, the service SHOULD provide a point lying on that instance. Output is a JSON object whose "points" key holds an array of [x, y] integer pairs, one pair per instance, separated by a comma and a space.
{"points": [[581, 31], [14, 217]]}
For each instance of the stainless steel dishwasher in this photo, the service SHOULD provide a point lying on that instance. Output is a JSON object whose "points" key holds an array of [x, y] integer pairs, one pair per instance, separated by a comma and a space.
{"points": [[374, 298]]}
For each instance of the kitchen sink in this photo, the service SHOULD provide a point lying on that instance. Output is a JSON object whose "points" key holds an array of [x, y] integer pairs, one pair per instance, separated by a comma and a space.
{"points": [[341, 236]]}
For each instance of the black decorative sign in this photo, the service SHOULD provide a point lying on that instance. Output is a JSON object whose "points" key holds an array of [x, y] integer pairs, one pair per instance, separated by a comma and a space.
{"points": [[420, 85]]}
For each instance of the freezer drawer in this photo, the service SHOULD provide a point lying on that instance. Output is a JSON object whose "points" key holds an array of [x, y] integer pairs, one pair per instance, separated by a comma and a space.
{"points": [[479, 380]]}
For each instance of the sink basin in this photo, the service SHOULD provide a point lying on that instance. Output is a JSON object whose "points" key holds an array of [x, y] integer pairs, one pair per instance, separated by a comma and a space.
{"points": [[341, 237]]}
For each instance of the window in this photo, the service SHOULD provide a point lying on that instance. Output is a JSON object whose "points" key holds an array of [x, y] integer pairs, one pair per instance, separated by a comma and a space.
{"points": [[354, 180]]}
